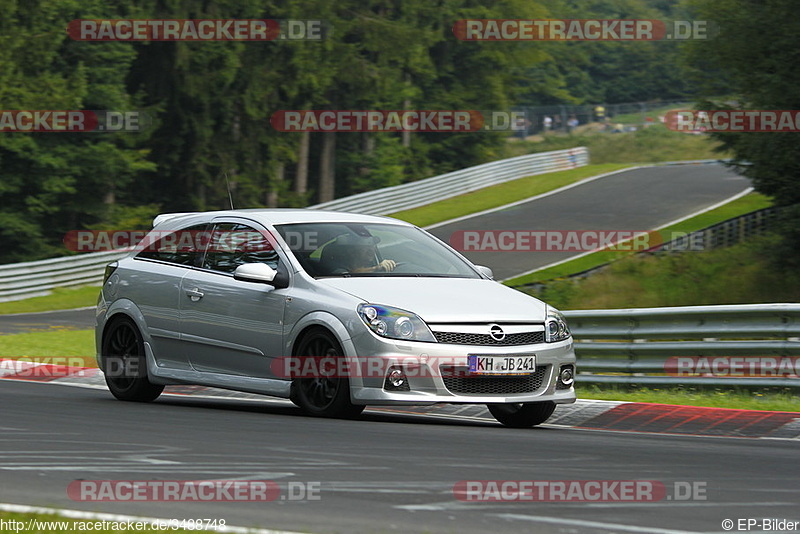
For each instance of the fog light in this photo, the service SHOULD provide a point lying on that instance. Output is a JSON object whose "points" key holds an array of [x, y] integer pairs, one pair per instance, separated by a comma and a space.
{"points": [[567, 375], [396, 380]]}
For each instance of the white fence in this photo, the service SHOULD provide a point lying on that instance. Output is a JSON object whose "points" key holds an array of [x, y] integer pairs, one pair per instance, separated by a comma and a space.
{"points": [[414, 194], [36, 278], [641, 346]]}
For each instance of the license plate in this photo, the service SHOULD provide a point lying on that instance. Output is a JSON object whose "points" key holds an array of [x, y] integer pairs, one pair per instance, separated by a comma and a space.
{"points": [[481, 364]]}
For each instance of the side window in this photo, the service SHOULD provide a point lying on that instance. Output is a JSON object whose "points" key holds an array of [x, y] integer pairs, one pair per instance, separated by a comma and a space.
{"points": [[232, 244], [181, 247]]}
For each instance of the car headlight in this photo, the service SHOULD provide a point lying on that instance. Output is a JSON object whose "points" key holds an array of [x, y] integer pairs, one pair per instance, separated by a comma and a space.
{"points": [[555, 326], [394, 323]]}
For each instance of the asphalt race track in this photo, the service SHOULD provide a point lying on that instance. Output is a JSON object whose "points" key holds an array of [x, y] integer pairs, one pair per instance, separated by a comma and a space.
{"points": [[38, 322], [635, 200], [383, 473], [638, 200], [392, 471]]}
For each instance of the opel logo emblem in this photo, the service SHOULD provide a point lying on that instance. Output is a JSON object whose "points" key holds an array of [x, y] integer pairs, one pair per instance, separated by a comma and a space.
{"points": [[496, 332]]}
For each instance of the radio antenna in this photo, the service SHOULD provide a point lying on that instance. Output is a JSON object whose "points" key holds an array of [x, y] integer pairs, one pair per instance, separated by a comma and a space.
{"points": [[228, 185]]}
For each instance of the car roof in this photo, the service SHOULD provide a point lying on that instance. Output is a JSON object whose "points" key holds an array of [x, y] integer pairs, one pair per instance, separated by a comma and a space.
{"points": [[274, 216]]}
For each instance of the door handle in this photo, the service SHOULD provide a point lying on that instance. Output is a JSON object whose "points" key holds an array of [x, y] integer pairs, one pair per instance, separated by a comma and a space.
{"points": [[195, 294]]}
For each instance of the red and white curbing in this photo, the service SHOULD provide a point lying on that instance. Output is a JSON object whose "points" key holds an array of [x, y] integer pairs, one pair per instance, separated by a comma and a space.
{"points": [[26, 369], [586, 414]]}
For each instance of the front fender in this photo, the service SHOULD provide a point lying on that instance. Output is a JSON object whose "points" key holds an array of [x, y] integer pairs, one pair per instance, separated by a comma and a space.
{"points": [[334, 325]]}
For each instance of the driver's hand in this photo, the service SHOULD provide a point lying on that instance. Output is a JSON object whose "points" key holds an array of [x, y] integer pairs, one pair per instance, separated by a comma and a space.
{"points": [[387, 265]]}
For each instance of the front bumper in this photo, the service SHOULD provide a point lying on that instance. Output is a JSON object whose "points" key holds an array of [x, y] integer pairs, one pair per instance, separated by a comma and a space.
{"points": [[436, 373]]}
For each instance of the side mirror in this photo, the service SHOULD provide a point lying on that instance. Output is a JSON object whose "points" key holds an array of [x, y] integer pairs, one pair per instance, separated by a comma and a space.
{"points": [[485, 271], [259, 273]]}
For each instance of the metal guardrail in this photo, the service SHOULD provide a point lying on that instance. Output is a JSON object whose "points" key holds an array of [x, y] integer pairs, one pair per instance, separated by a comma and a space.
{"points": [[633, 346], [722, 234], [726, 233], [37, 278], [415, 194]]}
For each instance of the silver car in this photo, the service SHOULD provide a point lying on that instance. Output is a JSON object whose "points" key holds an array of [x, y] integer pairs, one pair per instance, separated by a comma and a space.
{"points": [[334, 311]]}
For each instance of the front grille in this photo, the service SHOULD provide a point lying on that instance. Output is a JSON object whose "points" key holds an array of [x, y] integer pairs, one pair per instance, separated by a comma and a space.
{"points": [[495, 385], [460, 338]]}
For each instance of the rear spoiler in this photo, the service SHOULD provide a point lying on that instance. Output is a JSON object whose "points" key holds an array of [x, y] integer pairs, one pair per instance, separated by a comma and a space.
{"points": [[167, 216]]}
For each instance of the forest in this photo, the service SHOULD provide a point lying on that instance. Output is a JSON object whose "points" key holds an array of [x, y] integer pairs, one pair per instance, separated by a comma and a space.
{"points": [[208, 104]]}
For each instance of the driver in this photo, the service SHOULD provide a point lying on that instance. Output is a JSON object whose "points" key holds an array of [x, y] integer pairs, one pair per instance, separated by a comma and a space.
{"points": [[365, 260], [360, 255]]}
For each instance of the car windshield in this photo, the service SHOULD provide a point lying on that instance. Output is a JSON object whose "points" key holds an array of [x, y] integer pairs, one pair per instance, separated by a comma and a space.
{"points": [[354, 249]]}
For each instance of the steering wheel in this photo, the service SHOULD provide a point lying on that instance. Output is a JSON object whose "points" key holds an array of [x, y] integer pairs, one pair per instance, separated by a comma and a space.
{"points": [[407, 267]]}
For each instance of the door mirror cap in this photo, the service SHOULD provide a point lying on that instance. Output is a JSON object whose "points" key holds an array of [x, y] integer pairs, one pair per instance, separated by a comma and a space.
{"points": [[261, 273], [255, 272], [485, 271]]}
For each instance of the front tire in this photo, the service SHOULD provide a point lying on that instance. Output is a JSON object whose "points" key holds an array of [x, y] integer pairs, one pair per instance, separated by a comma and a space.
{"points": [[323, 396], [522, 415], [124, 363]]}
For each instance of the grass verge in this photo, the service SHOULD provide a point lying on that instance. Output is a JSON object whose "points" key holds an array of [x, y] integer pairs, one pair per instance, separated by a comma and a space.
{"points": [[746, 273], [62, 298], [783, 400], [638, 117], [76, 348], [653, 144], [741, 206], [59, 346], [500, 194]]}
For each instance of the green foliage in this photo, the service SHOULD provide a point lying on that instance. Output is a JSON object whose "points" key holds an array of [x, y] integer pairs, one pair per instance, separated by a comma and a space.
{"points": [[53, 182], [604, 71], [774, 399], [746, 204], [754, 58], [743, 273], [127, 218], [649, 145], [211, 102]]}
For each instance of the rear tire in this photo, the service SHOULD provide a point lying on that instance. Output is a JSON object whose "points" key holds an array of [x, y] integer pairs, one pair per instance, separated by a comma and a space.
{"points": [[124, 363], [522, 415], [323, 396]]}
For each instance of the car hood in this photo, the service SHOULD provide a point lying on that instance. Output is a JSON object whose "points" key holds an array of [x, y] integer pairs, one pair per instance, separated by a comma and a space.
{"points": [[446, 300]]}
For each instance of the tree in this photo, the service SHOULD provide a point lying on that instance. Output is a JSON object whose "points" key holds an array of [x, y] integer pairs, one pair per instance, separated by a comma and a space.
{"points": [[55, 182], [753, 63]]}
